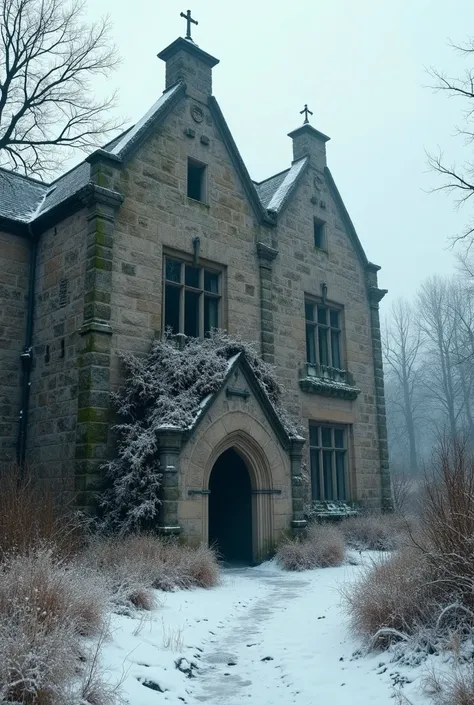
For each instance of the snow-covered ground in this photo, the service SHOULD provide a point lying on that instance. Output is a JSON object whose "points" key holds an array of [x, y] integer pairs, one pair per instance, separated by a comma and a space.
{"points": [[263, 637]]}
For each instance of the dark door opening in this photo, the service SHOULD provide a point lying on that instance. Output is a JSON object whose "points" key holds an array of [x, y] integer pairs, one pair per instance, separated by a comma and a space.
{"points": [[230, 508]]}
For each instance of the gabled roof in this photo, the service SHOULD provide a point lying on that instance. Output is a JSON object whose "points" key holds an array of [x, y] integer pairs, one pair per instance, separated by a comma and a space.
{"points": [[240, 361]]}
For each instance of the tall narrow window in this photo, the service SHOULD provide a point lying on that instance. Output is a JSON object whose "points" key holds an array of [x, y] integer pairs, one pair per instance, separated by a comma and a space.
{"points": [[328, 460], [197, 180], [323, 335], [320, 234], [192, 298]]}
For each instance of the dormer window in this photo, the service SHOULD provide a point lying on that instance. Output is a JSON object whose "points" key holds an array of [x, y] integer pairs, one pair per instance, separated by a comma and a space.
{"points": [[197, 178], [320, 234]]}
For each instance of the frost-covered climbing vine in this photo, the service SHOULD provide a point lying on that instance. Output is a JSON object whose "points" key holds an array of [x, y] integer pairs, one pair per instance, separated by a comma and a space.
{"points": [[165, 389]]}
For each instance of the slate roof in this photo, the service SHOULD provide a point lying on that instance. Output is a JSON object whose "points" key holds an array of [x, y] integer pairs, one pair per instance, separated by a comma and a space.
{"points": [[267, 188], [19, 196], [23, 199]]}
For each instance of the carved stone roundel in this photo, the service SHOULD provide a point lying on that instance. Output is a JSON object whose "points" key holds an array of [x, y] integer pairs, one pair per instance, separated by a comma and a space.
{"points": [[318, 183], [197, 114]]}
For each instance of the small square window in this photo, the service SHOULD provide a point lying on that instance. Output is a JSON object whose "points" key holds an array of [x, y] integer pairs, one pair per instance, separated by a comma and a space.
{"points": [[320, 234], [196, 180]]}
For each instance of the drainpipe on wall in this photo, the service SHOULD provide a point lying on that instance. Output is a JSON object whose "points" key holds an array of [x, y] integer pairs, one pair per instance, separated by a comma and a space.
{"points": [[27, 356]]}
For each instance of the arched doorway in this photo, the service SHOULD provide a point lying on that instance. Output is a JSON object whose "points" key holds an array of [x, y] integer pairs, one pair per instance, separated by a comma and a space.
{"points": [[230, 508]]}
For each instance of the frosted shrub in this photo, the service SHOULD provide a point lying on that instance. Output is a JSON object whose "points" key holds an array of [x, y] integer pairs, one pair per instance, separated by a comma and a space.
{"points": [[394, 592], [46, 607], [323, 547], [165, 389], [375, 532], [136, 564]]}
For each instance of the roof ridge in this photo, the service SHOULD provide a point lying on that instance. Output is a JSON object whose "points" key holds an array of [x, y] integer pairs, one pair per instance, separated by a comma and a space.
{"points": [[23, 176]]}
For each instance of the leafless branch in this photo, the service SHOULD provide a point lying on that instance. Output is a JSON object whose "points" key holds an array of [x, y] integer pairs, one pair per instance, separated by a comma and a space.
{"points": [[49, 57]]}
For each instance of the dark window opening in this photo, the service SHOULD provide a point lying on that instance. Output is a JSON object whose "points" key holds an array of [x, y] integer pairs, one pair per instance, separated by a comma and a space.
{"points": [[63, 287], [192, 299], [196, 180], [320, 234], [328, 460], [46, 355], [63, 347], [323, 335]]}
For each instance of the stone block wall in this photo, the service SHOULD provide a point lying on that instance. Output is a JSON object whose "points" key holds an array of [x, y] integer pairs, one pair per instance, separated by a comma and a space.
{"points": [[300, 269], [157, 216], [59, 305], [14, 264]]}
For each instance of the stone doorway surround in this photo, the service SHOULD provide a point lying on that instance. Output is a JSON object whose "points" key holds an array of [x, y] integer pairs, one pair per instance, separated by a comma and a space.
{"points": [[238, 416]]}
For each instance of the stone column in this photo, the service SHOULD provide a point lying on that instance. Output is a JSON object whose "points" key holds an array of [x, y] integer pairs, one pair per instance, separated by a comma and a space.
{"points": [[93, 414], [266, 255], [169, 441], [298, 523], [375, 296]]}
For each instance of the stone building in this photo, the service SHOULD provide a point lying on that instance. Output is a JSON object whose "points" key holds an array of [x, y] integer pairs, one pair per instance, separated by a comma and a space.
{"points": [[165, 227]]}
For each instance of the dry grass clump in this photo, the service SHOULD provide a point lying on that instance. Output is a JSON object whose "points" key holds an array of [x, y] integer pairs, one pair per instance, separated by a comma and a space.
{"points": [[46, 606], [137, 563], [323, 547], [456, 688], [426, 589], [393, 593], [31, 514], [375, 532]]}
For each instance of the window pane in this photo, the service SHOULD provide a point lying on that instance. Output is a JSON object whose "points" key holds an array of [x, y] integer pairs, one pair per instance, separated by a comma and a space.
{"points": [[339, 438], [191, 314], [323, 345], [310, 345], [173, 270], [172, 294], [327, 437], [211, 314], [336, 349], [327, 474], [309, 311], [341, 475], [314, 435], [322, 315], [334, 318], [211, 282], [191, 276], [315, 477]]}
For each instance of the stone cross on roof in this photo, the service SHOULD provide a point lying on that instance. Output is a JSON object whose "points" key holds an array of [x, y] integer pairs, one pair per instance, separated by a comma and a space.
{"points": [[306, 111], [189, 21]]}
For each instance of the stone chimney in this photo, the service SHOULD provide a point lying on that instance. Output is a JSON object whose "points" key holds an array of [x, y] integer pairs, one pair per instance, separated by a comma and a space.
{"points": [[185, 61], [309, 142]]}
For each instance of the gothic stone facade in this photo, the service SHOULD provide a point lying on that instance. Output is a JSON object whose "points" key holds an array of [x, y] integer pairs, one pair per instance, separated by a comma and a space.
{"points": [[165, 227]]}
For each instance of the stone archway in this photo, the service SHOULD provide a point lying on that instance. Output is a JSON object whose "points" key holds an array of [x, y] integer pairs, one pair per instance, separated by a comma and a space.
{"points": [[258, 469], [230, 508]]}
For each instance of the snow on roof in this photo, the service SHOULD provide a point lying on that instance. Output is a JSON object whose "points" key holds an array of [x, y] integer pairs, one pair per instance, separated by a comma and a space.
{"points": [[20, 196], [142, 124], [267, 188], [286, 185]]}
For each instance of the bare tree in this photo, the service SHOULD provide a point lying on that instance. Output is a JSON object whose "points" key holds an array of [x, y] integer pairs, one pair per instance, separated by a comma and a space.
{"points": [[458, 180], [48, 58], [438, 325], [402, 344]]}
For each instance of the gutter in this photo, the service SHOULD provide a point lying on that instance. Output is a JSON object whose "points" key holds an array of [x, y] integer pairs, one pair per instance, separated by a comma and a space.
{"points": [[26, 356]]}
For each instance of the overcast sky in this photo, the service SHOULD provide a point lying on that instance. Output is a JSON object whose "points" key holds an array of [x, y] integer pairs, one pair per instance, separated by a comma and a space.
{"points": [[361, 67]]}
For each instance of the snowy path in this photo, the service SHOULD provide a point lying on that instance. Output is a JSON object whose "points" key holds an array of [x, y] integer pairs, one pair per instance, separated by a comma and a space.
{"points": [[263, 637]]}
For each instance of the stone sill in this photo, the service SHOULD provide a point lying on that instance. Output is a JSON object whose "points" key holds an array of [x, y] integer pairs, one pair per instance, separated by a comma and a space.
{"points": [[202, 204], [326, 388]]}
